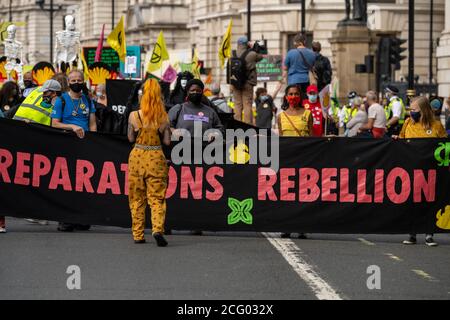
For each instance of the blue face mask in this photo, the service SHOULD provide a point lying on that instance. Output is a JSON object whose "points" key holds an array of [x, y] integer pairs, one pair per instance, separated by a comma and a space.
{"points": [[416, 116], [312, 98], [264, 98]]}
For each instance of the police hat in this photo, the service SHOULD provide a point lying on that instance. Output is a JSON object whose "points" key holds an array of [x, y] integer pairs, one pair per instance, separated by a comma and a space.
{"points": [[392, 89], [352, 95]]}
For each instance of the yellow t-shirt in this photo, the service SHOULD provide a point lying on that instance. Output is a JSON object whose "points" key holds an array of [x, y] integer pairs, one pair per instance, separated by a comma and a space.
{"points": [[413, 130], [301, 123]]}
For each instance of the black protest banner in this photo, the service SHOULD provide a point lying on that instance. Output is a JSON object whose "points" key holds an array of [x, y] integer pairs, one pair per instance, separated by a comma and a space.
{"points": [[118, 93], [115, 118], [322, 185]]}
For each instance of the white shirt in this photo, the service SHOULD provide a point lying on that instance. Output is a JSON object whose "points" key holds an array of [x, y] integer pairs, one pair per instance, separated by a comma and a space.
{"points": [[397, 108], [377, 113]]}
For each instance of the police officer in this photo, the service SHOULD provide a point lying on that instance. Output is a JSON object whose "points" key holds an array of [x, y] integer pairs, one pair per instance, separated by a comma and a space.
{"points": [[395, 111], [38, 106]]}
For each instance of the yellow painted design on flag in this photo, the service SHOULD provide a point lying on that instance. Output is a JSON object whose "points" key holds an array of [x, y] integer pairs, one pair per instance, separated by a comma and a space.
{"points": [[117, 41], [225, 48], [159, 54]]}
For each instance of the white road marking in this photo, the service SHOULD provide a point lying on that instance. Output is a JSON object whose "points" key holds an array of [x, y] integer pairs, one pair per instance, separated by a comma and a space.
{"points": [[425, 275], [393, 257], [366, 242], [293, 255]]}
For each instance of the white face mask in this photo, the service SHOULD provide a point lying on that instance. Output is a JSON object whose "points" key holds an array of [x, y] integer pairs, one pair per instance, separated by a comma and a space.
{"points": [[184, 83]]}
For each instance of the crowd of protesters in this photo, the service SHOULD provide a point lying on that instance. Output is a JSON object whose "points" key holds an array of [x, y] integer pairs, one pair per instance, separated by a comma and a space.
{"points": [[154, 113]]}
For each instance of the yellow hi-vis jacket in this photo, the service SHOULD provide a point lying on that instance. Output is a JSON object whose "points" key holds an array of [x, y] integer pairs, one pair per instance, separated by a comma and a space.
{"points": [[388, 110], [32, 111], [349, 113]]}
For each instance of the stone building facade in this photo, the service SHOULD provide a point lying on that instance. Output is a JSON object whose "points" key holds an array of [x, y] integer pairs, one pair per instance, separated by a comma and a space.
{"points": [[200, 24]]}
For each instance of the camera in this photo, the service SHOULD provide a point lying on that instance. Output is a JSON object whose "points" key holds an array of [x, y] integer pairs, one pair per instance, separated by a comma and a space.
{"points": [[260, 47]]}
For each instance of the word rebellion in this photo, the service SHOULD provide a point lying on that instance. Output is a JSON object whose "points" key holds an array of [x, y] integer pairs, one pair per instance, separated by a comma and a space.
{"points": [[304, 185]]}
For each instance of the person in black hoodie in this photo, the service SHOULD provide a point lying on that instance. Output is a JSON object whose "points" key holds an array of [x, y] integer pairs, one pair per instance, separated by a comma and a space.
{"points": [[179, 94]]}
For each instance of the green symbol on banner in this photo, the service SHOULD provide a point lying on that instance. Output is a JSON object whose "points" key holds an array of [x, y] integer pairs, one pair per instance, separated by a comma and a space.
{"points": [[443, 148], [241, 211]]}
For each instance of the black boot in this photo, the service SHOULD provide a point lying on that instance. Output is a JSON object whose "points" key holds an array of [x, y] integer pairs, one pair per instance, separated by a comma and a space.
{"points": [[160, 241], [65, 227]]}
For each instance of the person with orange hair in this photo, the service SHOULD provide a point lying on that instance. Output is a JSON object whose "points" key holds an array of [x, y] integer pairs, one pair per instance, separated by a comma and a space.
{"points": [[148, 128]]}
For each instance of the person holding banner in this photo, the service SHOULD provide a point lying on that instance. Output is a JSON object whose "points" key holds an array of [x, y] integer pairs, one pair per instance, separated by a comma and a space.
{"points": [[77, 112], [148, 173], [38, 106], [74, 111], [186, 115], [422, 124], [295, 121]]}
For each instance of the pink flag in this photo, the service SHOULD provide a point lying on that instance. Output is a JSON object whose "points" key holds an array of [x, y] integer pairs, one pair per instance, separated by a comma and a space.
{"points": [[98, 53], [170, 75]]}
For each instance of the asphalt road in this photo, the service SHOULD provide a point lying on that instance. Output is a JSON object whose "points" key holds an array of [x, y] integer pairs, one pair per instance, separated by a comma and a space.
{"points": [[35, 259]]}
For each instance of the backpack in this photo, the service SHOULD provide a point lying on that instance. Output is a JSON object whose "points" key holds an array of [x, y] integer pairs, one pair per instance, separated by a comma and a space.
{"points": [[237, 70], [323, 70]]}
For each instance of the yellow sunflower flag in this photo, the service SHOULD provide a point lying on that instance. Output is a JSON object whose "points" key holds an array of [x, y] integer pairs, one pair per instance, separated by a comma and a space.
{"points": [[116, 40], [159, 54], [225, 48]]}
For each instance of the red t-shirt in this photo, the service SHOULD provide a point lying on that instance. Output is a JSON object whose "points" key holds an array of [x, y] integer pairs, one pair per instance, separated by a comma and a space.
{"points": [[318, 120]]}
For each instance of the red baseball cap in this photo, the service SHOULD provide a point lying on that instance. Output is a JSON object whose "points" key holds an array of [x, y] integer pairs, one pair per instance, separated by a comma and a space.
{"points": [[312, 88]]}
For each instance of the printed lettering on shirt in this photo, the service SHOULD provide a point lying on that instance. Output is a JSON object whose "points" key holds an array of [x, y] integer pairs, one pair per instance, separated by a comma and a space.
{"points": [[200, 117]]}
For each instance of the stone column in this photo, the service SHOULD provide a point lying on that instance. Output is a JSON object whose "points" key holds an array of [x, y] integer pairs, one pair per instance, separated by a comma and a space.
{"points": [[350, 43], [443, 56]]}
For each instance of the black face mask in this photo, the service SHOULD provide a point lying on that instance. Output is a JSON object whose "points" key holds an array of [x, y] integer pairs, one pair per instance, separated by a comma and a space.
{"points": [[195, 98], [28, 84], [76, 87]]}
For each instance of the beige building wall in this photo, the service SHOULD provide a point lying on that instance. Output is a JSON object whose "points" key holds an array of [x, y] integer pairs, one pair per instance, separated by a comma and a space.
{"points": [[276, 20], [93, 14], [144, 19], [443, 53], [202, 23], [35, 35]]}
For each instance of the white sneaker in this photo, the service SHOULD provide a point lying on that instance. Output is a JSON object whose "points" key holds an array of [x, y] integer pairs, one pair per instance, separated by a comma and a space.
{"points": [[41, 222], [2, 230], [431, 243]]}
